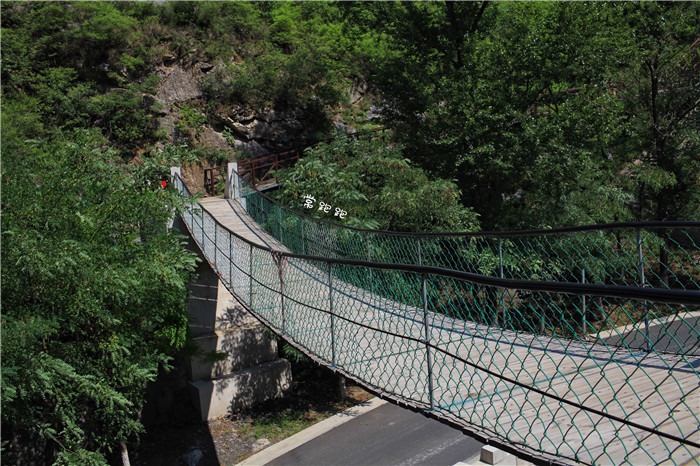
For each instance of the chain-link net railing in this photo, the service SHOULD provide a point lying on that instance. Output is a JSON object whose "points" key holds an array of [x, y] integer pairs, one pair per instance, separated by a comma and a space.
{"points": [[657, 254], [522, 363]]}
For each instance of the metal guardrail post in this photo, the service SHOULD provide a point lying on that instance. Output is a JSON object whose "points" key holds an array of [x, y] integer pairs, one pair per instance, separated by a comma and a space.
{"points": [[250, 276], [500, 274], [230, 261], [304, 248], [204, 248], [420, 258], [583, 305], [642, 283], [279, 272], [279, 211], [330, 304], [427, 342], [369, 259]]}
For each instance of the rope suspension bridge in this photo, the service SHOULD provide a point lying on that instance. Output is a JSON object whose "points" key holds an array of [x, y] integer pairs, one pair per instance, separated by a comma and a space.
{"points": [[579, 345]]}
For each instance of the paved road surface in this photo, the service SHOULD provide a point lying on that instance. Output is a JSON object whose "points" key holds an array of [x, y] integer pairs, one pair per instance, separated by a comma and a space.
{"points": [[387, 435]]}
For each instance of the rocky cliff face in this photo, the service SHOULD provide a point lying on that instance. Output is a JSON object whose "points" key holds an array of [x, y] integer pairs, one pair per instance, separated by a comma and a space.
{"points": [[240, 129], [237, 130], [177, 85]]}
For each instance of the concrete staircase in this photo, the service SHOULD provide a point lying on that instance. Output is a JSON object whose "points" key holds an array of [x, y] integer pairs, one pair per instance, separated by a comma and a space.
{"points": [[252, 371]]}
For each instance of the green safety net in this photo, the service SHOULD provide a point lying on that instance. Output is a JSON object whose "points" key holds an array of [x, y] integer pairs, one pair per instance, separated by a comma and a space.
{"points": [[499, 334], [644, 254]]}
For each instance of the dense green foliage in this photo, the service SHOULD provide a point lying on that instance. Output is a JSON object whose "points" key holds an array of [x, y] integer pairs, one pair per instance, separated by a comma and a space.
{"points": [[548, 114], [376, 186], [93, 283], [502, 115], [544, 114], [93, 289]]}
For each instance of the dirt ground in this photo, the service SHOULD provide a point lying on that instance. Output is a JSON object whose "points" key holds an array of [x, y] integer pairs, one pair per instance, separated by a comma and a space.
{"points": [[233, 438]]}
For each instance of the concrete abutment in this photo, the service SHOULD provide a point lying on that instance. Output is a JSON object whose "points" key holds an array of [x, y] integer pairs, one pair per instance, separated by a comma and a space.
{"points": [[252, 371]]}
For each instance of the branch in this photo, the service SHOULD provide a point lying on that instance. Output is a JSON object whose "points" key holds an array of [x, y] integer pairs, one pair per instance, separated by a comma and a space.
{"points": [[484, 4]]}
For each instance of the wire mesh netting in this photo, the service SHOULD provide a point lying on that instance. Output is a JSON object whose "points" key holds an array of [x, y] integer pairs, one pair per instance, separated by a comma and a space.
{"points": [[517, 350], [609, 254]]}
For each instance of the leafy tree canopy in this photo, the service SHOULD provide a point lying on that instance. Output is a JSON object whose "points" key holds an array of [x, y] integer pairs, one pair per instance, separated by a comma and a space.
{"points": [[376, 185], [93, 290]]}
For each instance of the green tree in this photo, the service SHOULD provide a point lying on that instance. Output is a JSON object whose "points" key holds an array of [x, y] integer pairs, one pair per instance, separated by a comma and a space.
{"points": [[511, 101], [658, 86], [93, 292], [376, 185]]}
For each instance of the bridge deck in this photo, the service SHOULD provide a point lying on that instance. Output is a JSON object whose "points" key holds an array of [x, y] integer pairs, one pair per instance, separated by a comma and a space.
{"points": [[609, 379]]}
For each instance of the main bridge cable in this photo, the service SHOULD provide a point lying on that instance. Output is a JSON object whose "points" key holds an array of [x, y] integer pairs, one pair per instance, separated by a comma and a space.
{"points": [[618, 291]]}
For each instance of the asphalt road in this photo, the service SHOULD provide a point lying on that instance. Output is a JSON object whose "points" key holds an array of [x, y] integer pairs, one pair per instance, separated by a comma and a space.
{"points": [[387, 435]]}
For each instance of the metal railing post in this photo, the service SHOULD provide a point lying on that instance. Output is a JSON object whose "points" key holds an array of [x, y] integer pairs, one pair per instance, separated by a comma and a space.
{"points": [[420, 258], [330, 308], [279, 272], [230, 261], [583, 304], [279, 212], [304, 248], [500, 274], [250, 275], [216, 247], [427, 343], [369, 259], [204, 247], [642, 283]]}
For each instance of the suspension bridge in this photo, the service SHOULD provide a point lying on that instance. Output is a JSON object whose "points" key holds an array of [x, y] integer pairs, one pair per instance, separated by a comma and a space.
{"points": [[569, 346]]}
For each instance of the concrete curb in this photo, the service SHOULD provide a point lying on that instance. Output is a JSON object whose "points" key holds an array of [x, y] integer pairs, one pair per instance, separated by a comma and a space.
{"points": [[278, 449]]}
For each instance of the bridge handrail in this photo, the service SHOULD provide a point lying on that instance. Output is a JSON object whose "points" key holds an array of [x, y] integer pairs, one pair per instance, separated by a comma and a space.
{"points": [[343, 274], [276, 160], [580, 289], [663, 254]]}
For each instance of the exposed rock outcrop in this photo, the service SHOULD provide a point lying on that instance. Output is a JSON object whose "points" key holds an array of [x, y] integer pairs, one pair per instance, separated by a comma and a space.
{"points": [[265, 131], [257, 133], [178, 85]]}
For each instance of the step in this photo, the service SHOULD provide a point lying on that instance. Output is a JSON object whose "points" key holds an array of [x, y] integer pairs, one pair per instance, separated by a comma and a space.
{"points": [[245, 347], [241, 389]]}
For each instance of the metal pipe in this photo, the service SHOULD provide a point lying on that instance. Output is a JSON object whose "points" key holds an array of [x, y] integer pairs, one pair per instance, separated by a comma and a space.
{"points": [[500, 274], [230, 261], [642, 283], [369, 259], [420, 259], [583, 304], [250, 275], [330, 304], [427, 344], [279, 272], [279, 211]]}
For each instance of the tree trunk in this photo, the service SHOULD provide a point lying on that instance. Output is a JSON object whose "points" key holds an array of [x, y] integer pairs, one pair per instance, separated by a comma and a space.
{"points": [[125, 455]]}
